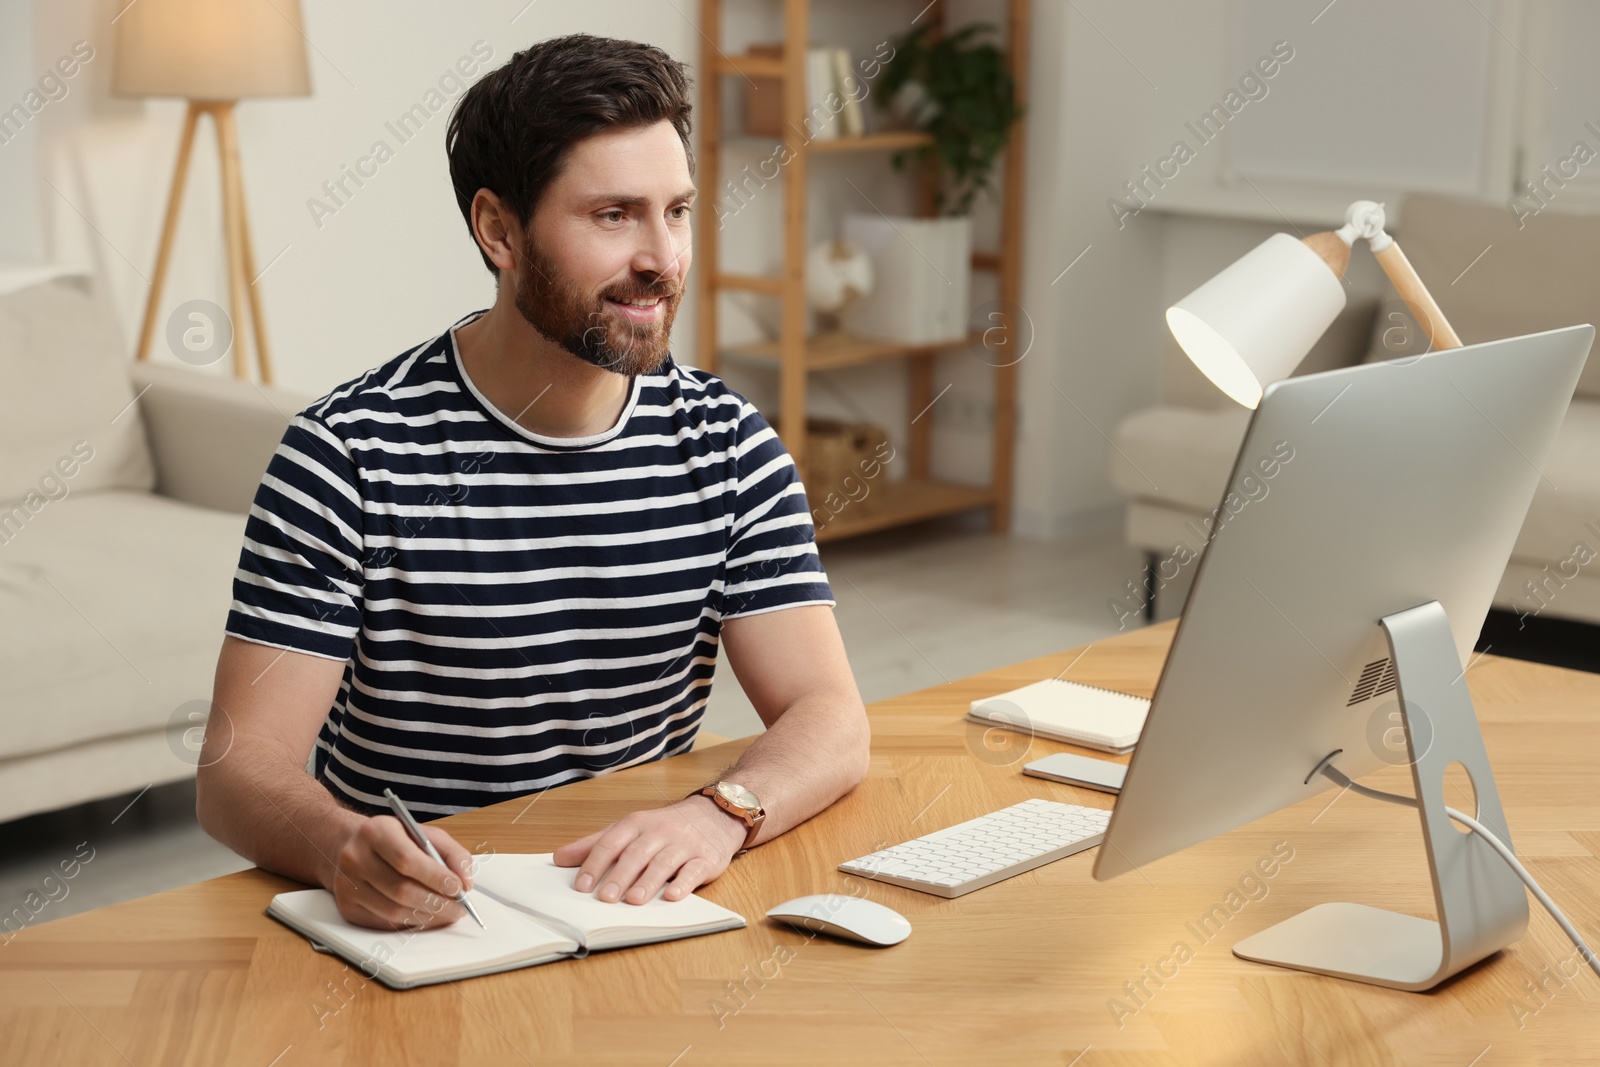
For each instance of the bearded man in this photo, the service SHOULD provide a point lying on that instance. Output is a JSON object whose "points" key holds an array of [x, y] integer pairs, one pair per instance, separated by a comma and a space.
{"points": [[505, 560]]}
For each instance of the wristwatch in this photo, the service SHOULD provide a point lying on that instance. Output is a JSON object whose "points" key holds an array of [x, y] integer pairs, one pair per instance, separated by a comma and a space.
{"points": [[739, 802]]}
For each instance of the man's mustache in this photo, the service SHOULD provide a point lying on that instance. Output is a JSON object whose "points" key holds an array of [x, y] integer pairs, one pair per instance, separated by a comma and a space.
{"points": [[643, 291]]}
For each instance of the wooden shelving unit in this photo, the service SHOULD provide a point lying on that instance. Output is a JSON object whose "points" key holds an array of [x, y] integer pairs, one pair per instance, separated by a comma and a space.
{"points": [[918, 496]]}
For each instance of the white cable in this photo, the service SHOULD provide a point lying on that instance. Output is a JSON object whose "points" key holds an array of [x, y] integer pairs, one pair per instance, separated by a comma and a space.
{"points": [[1489, 837]]}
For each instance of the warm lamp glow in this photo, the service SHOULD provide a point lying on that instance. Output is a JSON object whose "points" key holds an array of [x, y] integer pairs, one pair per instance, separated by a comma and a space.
{"points": [[1216, 358], [1257, 319], [209, 50]]}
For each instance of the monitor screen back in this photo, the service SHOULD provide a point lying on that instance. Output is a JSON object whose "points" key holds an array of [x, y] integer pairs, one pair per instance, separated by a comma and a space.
{"points": [[1357, 493]]}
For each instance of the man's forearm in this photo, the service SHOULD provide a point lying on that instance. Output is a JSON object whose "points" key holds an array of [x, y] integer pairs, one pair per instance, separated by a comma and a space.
{"points": [[262, 805], [817, 751]]}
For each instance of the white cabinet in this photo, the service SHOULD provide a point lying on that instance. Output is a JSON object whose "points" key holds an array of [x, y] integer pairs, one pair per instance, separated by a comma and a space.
{"points": [[1382, 97]]}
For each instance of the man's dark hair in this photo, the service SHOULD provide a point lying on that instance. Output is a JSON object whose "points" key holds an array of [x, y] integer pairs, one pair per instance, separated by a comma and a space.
{"points": [[511, 131]]}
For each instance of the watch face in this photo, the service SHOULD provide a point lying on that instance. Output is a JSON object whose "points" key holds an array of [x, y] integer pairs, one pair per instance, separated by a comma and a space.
{"points": [[738, 795]]}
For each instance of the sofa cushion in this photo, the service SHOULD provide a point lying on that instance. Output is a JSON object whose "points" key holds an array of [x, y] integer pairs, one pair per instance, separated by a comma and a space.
{"points": [[1566, 505], [1497, 276], [1188, 455], [113, 608], [66, 426], [1178, 455]]}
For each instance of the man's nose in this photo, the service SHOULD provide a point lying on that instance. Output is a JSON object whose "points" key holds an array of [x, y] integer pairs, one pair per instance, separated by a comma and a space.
{"points": [[661, 254]]}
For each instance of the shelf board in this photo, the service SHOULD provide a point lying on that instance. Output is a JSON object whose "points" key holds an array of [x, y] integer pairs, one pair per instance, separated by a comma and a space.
{"points": [[891, 141], [911, 500], [832, 350], [770, 284], [749, 66]]}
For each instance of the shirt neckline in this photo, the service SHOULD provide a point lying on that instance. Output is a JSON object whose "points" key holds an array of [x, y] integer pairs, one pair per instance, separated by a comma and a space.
{"points": [[563, 444]]}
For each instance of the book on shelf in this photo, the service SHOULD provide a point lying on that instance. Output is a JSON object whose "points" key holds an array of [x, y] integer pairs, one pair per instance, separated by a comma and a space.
{"points": [[822, 96], [832, 97], [852, 121], [531, 914]]}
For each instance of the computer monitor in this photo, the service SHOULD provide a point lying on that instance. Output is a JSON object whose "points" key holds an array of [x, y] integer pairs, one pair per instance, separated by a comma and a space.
{"points": [[1368, 519]]}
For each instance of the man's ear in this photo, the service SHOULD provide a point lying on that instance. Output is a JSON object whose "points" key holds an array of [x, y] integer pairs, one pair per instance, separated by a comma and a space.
{"points": [[496, 229]]}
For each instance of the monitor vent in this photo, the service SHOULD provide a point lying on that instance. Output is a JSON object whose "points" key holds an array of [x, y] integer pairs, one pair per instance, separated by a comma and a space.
{"points": [[1376, 677], [1388, 682]]}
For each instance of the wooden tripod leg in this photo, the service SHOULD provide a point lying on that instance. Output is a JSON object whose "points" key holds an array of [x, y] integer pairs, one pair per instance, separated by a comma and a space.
{"points": [[169, 229], [233, 186], [1423, 308], [233, 226]]}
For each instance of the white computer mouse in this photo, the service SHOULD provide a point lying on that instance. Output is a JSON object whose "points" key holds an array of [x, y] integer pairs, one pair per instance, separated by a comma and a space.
{"points": [[844, 916]]}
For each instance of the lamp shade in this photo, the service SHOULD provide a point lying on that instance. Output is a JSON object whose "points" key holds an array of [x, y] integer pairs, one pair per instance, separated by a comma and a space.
{"points": [[211, 49], [1257, 319]]}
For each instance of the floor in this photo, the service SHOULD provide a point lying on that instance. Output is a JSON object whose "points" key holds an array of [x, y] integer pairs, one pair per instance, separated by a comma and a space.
{"points": [[917, 608]]}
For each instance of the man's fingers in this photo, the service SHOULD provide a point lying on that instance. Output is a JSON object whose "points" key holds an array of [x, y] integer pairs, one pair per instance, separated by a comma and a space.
{"points": [[575, 852], [662, 867], [628, 867], [394, 846], [456, 857], [371, 905], [601, 854], [691, 876]]}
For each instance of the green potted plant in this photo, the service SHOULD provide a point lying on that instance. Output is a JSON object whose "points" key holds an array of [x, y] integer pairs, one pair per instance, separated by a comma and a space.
{"points": [[958, 89]]}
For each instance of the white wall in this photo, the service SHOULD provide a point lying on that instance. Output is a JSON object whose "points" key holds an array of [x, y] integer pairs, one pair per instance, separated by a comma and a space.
{"points": [[1112, 86], [19, 237]]}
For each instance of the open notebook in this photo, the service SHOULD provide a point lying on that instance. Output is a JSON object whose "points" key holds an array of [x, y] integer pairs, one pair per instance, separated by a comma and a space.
{"points": [[1067, 711], [531, 914]]}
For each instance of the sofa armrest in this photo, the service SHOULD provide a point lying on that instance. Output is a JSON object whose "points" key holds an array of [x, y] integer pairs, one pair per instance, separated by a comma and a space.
{"points": [[211, 437]]}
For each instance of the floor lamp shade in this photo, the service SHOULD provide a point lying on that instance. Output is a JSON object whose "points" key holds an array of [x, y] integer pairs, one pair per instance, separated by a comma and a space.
{"points": [[1257, 319], [211, 49]]}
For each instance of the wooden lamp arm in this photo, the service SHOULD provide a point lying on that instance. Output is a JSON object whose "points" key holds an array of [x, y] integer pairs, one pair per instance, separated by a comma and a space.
{"points": [[1365, 219], [1423, 307]]}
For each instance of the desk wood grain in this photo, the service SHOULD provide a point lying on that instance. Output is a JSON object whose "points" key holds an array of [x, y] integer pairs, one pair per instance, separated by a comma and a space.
{"points": [[1046, 968]]}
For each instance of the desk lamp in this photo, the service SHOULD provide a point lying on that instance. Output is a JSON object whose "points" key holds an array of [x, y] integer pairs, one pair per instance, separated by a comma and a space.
{"points": [[1254, 322], [213, 55]]}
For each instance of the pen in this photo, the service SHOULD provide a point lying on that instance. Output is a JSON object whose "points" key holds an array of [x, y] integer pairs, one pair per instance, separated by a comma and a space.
{"points": [[421, 839]]}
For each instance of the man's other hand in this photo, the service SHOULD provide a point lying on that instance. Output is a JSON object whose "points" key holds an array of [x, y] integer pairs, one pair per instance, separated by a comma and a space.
{"points": [[681, 846], [385, 880]]}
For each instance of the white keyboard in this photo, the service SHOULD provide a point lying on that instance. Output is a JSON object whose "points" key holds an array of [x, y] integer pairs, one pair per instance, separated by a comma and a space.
{"points": [[986, 850]]}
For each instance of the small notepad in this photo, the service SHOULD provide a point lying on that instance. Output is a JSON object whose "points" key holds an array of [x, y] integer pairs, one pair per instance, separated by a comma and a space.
{"points": [[1067, 711]]}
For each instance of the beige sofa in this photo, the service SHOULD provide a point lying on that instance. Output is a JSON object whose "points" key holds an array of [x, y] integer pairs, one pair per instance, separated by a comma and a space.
{"points": [[120, 529], [1541, 277]]}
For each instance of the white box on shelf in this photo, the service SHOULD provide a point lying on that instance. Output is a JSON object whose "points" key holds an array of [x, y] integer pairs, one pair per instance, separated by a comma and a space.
{"points": [[921, 269]]}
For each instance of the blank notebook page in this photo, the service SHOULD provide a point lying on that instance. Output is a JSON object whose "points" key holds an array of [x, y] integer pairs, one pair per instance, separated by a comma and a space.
{"points": [[461, 946], [538, 884]]}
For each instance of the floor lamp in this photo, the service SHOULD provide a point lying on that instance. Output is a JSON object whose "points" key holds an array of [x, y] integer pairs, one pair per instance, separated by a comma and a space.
{"points": [[213, 55]]}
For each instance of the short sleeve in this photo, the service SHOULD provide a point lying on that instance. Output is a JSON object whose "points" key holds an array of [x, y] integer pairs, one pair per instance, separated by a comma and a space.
{"points": [[772, 554], [298, 585]]}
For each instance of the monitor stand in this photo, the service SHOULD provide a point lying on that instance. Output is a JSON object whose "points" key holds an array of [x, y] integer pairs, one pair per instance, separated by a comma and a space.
{"points": [[1481, 904]]}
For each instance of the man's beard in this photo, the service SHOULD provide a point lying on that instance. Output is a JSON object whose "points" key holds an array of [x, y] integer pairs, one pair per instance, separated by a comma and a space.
{"points": [[581, 323]]}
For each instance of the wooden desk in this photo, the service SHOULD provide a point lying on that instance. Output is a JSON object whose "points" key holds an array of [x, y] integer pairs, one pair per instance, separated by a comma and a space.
{"points": [[1021, 972]]}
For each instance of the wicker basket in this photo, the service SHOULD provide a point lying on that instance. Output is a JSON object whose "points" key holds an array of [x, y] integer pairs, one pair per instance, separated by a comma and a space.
{"points": [[839, 458]]}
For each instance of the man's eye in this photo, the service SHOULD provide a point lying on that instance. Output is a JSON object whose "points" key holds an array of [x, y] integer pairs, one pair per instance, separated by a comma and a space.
{"points": [[681, 211], [614, 215]]}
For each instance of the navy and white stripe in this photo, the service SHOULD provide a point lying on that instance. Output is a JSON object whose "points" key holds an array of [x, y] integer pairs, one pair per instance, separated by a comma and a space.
{"points": [[517, 611]]}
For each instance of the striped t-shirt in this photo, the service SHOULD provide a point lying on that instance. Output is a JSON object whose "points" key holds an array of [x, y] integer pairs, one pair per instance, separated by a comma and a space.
{"points": [[517, 611]]}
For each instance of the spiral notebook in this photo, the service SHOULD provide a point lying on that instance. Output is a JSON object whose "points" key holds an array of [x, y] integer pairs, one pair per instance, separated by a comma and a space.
{"points": [[531, 914], [1067, 711]]}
